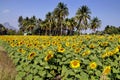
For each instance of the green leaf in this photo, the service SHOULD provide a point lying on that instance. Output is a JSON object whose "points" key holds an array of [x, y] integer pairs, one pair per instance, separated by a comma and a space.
{"points": [[49, 75], [83, 76], [67, 61], [63, 59], [66, 72], [90, 72], [118, 76], [19, 68], [42, 73], [29, 77], [37, 78], [27, 68], [78, 76], [64, 69], [115, 70], [98, 61], [18, 77], [68, 55], [86, 61], [47, 67], [70, 72], [16, 60], [21, 74], [98, 73], [115, 63], [92, 78], [35, 71], [37, 67]]}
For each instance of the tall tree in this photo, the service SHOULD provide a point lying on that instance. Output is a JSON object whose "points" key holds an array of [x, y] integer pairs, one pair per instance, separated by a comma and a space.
{"points": [[28, 24], [49, 18], [60, 12], [82, 16], [70, 23], [95, 23], [20, 19]]}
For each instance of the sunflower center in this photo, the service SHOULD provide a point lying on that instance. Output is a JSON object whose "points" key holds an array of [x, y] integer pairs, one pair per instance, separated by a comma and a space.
{"points": [[49, 56], [75, 63]]}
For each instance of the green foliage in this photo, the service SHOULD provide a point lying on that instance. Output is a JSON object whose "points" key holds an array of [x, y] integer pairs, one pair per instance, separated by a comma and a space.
{"points": [[111, 30]]}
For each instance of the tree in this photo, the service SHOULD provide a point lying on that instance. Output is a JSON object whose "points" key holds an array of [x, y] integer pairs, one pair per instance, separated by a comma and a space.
{"points": [[49, 18], [70, 23], [60, 12], [95, 23], [11, 32], [27, 24], [44, 26], [3, 30], [111, 30], [82, 16], [20, 19]]}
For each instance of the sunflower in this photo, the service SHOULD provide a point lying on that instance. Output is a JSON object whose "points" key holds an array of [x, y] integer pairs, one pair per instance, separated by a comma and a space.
{"points": [[110, 53], [104, 44], [116, 50], [67, 44], [87, 52], [59, 45], [54, 43], [77, 50], [106, 70], [31, 55], [61, 50], [74, 46], [93, 65], [12, 45], [40, 47], [119, 47], [48, 43], [92, 46], [21, 50], [21, 42], [103, 55], [75, 64], [49, 56]]}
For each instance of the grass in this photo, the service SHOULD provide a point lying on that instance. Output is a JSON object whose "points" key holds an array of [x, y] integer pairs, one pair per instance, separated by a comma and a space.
{"points": [[7, 68]]}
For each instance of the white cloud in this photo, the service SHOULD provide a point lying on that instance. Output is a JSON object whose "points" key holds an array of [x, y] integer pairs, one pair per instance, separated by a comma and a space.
{"points": [[6, 11]]}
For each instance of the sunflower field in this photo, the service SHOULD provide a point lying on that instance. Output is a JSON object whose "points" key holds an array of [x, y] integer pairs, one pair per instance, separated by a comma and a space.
{"points": [[85, 57]]}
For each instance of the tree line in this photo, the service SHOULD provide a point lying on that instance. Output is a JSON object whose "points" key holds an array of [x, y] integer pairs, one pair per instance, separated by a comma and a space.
{"points": [[58, 23]]}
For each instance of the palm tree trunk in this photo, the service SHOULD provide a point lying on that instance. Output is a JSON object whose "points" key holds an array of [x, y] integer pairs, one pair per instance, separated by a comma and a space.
{"points": [[78, 27], [46, 32], [61, 29], [50, 30]]}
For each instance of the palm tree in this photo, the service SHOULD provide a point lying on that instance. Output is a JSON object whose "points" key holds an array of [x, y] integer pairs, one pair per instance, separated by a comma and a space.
{"points": [[44, 26], [30, 24], [60, 12], [49, 18], [70, 23], [20, 19], [82, 16], [95, 23]]}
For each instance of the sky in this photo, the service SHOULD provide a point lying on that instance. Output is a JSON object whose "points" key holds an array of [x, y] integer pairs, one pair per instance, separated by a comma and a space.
{"points": [[108, 11]]}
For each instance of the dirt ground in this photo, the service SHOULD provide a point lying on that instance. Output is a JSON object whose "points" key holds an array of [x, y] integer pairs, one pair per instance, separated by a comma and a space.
{"points": [[7, 68]]}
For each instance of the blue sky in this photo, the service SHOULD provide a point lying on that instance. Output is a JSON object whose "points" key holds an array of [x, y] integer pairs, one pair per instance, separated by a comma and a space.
{"points": [[106, 10]]}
